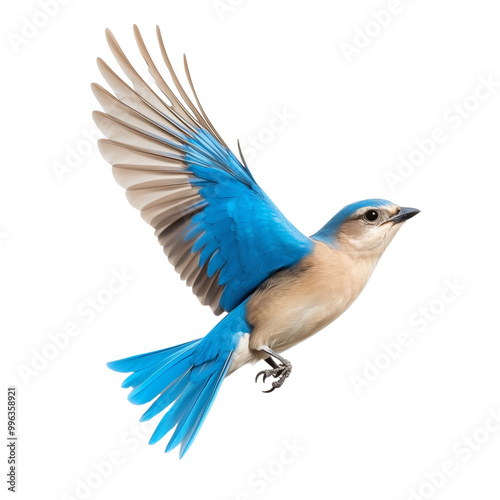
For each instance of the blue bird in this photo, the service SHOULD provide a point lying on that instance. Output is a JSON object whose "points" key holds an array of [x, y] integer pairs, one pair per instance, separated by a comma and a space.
{"points": [[228, 241]]}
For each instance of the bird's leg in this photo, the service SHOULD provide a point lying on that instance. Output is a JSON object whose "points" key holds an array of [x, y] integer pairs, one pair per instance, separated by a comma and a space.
{"points": [[270, 361], [280, 371]]}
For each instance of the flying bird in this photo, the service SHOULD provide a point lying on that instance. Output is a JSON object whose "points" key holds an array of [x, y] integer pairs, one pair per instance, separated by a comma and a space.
{"points": [[228, 241]]}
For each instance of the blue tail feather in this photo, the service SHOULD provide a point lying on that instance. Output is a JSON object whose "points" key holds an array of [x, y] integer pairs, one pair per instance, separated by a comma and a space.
{"points": [[182, 406], [198, 417], [161, 378], [137, 378], [140, 376], [182, 426], [200, 398], [141, 361], [171, 393], [185, 379]]}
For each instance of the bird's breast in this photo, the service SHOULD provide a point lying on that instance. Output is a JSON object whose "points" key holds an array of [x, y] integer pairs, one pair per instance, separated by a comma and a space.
{"points": [[296, 303]]}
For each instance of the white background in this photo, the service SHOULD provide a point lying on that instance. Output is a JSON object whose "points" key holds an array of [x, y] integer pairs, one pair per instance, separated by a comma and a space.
{"points": [[62, 237]]}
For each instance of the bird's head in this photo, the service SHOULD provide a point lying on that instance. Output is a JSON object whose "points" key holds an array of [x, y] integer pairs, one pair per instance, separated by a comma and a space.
{"points": [[365, 228]]}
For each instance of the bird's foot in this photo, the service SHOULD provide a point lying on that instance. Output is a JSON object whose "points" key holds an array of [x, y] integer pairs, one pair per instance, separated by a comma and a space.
{"points": [[281, 372]]}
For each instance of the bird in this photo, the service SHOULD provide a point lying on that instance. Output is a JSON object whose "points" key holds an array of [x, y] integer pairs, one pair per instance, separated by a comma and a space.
{"points": [[227, 240]]}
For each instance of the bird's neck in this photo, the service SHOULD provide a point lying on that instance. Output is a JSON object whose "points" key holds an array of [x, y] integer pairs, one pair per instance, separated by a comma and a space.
{"points": [[349, 268]]}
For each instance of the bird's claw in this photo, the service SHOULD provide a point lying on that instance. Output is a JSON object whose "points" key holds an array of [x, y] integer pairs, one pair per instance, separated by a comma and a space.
{"points": [[281, 372]]}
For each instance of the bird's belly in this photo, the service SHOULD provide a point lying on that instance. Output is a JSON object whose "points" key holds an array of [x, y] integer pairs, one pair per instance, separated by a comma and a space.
{"points": [[295, 304], [286, 326], [292, 318], [297, 321]]}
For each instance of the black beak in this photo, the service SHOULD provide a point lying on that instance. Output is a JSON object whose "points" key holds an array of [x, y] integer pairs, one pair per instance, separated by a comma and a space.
{"points": [[404, 214]]}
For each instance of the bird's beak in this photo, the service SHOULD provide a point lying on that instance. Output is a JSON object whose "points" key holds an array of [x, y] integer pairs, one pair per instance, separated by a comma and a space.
{"points": [[404, 214]]}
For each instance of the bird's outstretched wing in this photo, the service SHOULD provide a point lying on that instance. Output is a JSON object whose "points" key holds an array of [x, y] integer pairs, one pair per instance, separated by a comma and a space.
{"points": [[217, 226]]}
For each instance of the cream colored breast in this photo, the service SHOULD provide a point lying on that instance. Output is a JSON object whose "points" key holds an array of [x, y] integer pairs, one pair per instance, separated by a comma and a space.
{"points": [[295, 304]]}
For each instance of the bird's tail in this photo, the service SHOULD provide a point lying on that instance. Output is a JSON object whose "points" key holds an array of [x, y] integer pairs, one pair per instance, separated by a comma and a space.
{"points": [[188, 375]]}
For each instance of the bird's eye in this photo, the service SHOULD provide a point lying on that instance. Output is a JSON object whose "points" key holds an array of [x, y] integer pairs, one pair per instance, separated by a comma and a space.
{"points": [[371, 215]]}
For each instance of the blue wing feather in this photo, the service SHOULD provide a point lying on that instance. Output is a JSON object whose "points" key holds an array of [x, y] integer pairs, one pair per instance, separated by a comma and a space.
{"points": [[253, 238], [219, 212]]}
